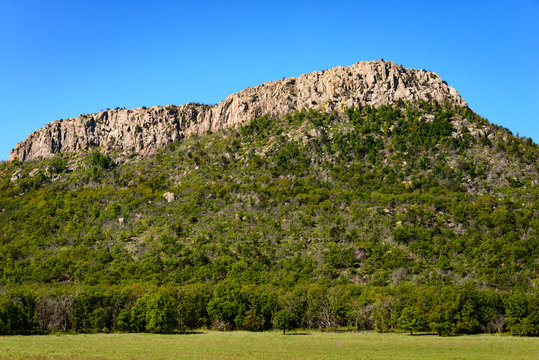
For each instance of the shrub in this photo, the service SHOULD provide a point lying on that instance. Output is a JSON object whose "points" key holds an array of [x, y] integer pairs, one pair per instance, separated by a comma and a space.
{"points": [[285, 320]]}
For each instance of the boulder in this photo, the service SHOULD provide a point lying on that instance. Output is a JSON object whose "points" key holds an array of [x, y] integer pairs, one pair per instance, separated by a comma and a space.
{"points": [[170, 197]]}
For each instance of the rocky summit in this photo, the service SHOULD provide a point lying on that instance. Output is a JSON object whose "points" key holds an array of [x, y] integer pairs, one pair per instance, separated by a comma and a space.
{"points": [[144, 130]]}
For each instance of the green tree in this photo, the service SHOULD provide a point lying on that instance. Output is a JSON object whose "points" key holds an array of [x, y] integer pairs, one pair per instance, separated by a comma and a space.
{"points": [[192, 306], [100, 160], [161, 313], [155, 313], [227, 305], [522, 314], [285, 320], [253, 321], [411, 319], [439, 321]]}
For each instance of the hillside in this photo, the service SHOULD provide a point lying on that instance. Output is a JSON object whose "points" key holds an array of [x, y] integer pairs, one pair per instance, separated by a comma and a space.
{"points": [[405, 198]]}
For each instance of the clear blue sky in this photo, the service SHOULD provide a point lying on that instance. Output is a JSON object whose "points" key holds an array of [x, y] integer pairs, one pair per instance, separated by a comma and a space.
{"points": [[62, 58]]}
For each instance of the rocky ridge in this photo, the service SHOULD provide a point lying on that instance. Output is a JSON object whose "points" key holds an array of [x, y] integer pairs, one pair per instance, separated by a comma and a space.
{"points": [[144, 130]]}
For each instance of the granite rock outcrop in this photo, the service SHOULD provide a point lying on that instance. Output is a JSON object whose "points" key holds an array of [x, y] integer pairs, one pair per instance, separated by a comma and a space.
{"points": [[144, 130]]}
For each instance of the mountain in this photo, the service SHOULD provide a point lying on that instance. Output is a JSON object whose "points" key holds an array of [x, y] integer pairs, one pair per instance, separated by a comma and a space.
{"points": [[144, 130], [367, 196]]}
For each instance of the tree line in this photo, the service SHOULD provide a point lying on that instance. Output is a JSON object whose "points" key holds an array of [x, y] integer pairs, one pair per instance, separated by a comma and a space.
{"points": [[444, 310]]}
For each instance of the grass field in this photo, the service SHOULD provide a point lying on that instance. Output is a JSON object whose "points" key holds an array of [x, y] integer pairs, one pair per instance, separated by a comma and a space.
{"points": [[267, 345]]}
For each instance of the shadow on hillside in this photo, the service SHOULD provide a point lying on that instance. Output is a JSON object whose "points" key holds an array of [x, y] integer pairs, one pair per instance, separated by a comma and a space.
{"points": [[298, 333]]}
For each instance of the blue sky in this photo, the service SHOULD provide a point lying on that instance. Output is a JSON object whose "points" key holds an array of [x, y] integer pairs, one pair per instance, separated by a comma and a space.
{"points": [[62, 58]]}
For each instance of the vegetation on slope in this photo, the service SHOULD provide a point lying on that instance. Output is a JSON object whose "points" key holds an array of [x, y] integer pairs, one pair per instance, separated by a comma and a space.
{"points": [[385, 199]]}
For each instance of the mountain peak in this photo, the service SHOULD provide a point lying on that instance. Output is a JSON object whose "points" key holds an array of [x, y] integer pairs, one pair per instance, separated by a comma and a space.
{"points": [[144, 130]]}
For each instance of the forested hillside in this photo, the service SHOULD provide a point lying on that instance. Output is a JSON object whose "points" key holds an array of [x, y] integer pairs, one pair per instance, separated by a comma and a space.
{"points": [[419, 216]]}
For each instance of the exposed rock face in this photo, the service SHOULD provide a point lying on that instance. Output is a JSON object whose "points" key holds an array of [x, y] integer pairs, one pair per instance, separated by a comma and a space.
{"points": [[144, 130], [169, 197]]}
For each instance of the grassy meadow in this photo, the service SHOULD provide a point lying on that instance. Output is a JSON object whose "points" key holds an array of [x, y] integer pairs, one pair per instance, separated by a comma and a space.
{"points": [[267, 345]]}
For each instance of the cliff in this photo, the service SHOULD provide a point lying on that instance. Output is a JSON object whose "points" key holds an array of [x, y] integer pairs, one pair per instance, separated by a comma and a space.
{"points": [[144, 130]]}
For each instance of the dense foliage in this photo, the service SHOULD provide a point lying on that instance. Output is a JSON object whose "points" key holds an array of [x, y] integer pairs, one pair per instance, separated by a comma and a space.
{"points": [[428, 198], [230, 305]]}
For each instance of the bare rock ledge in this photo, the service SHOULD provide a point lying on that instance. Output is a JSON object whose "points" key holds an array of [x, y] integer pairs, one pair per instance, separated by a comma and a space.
{"points": [[144, 130]]}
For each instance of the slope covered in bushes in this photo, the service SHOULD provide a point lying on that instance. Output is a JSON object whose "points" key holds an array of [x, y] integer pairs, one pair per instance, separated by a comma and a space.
{"points": [[430, 197]]}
